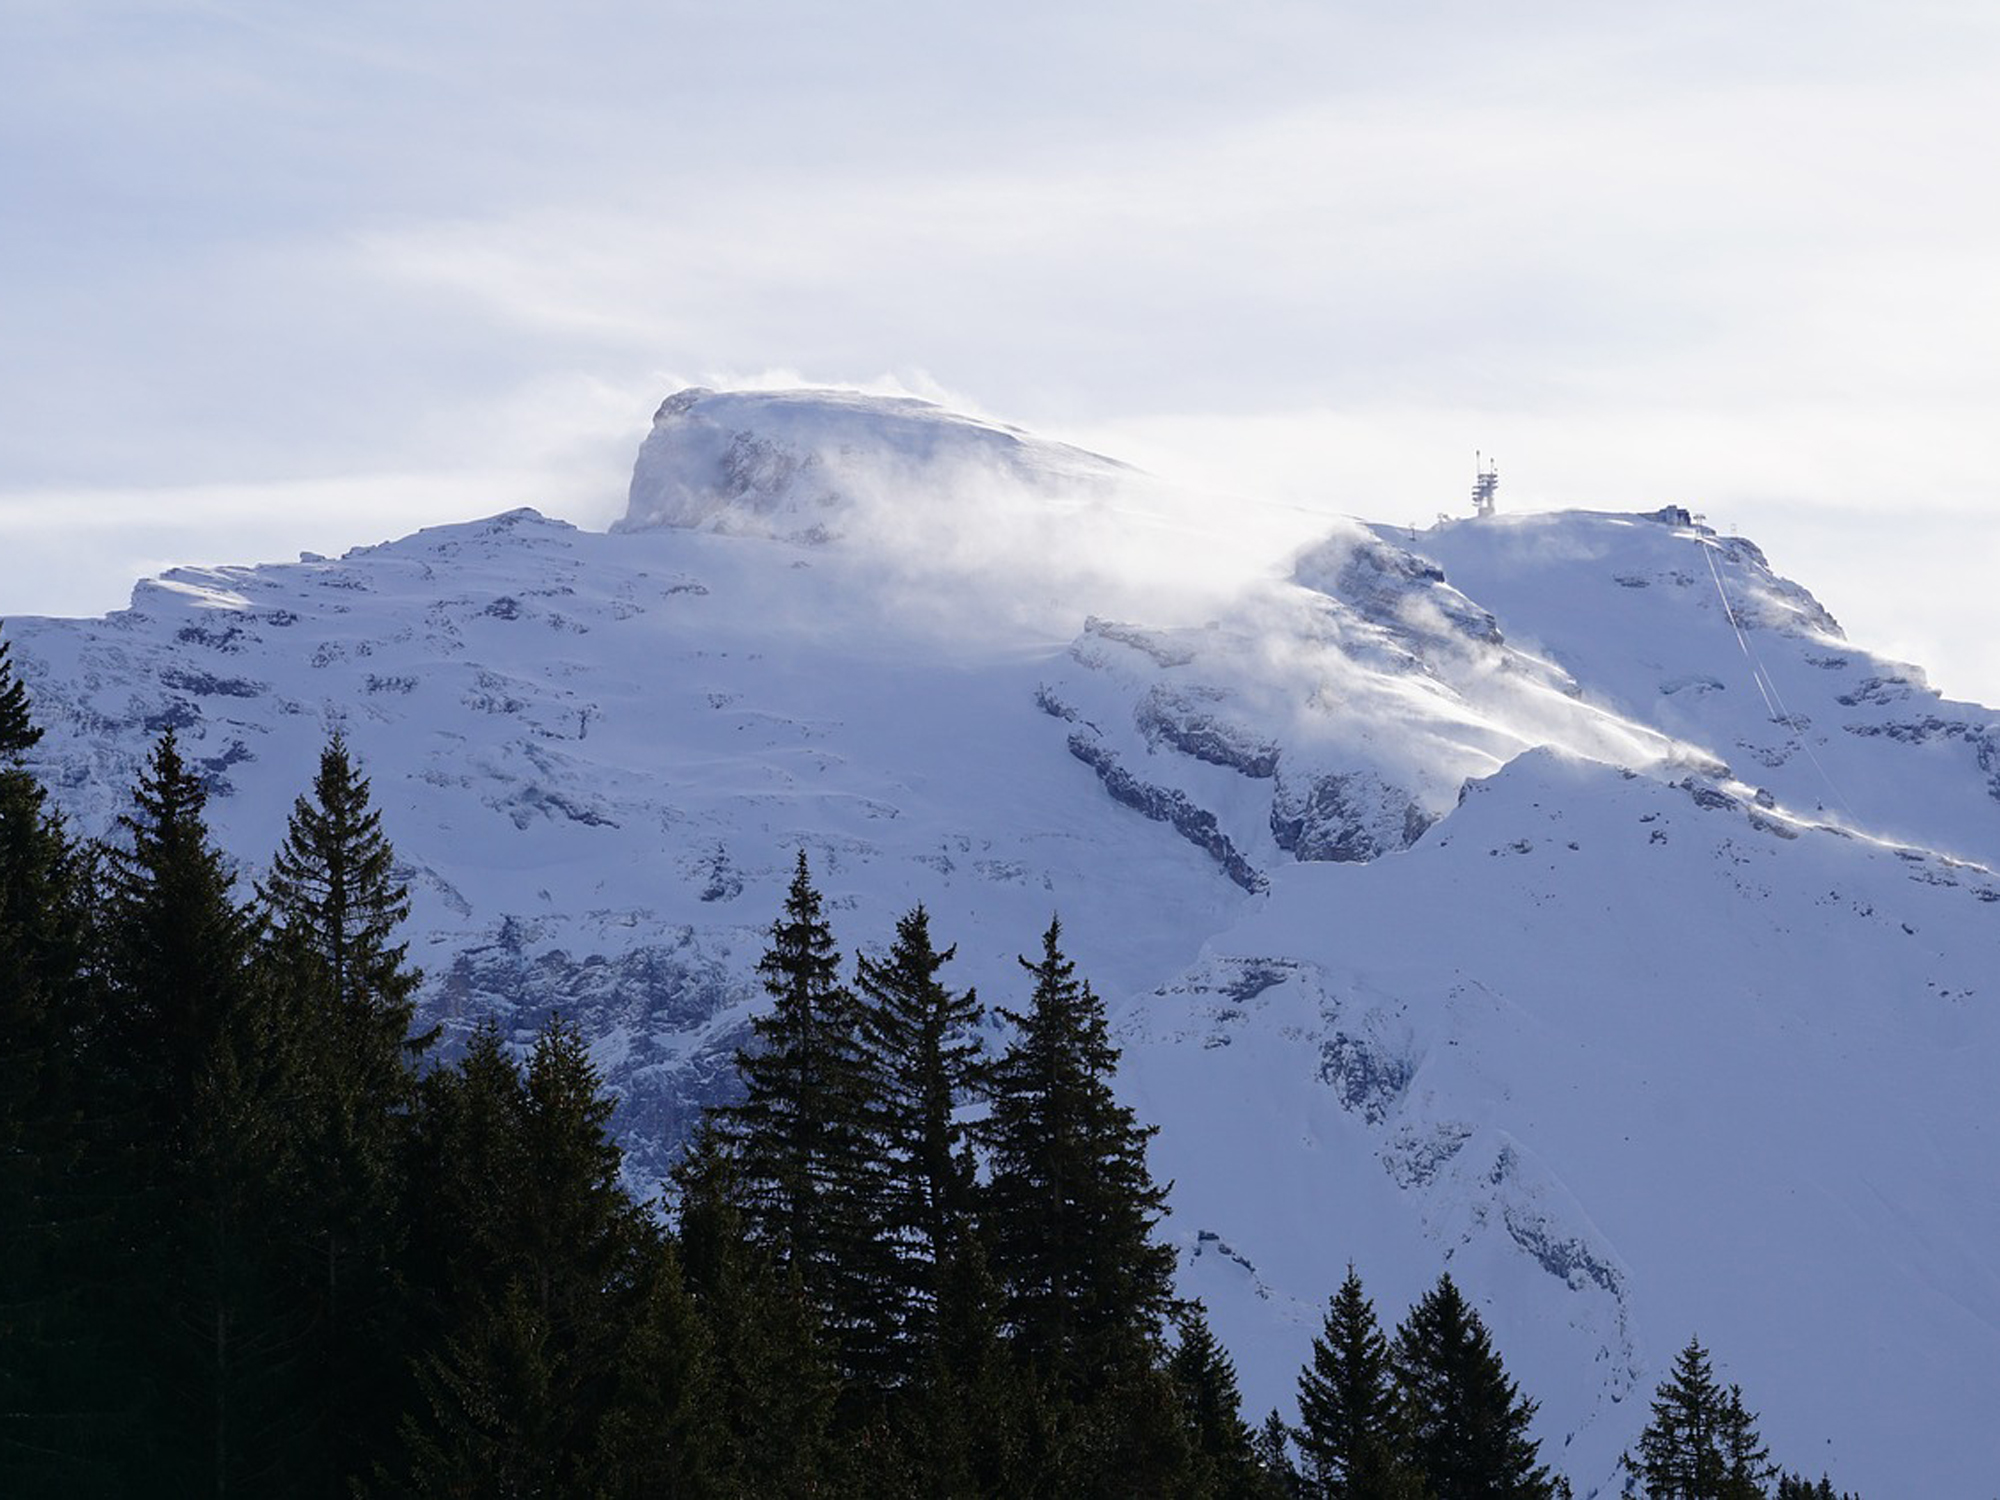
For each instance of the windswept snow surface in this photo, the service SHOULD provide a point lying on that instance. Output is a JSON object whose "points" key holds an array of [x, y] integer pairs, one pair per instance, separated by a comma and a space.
{"points": [[810, 466], [1559, 900]]}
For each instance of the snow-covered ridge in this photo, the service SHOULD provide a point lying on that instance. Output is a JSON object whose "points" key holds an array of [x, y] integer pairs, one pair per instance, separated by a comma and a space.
{"points": [[1560, 898]]}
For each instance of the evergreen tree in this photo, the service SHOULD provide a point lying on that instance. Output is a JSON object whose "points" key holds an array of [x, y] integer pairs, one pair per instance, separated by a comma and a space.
{"points": [[804, 1139], [333, 894], [1798, 1487], [56, 1381], [581, 1245], [42, 932], [1347, 1406], [926, 1061], [1124, 1439], [1746, 1462], [180, 954], [202, 1074], [1071, 1205], [1678, 1456], [494, 1422], [18, 731], [662, 1433], [1701, 1443], [1272, 1449], [774, 1383], [529, 1381], [976, 1424], [1465, 1422], [1224, 1461], [462, 1156], [334, 907]]}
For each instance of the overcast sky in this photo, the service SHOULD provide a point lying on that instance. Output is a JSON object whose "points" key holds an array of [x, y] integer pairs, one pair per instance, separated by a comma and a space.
{"points": [[278, 276]]}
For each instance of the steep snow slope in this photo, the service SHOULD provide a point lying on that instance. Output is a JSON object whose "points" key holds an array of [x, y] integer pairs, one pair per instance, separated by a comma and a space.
{"points": [[596, 756], [1634, 1065], [1555, 898], [1692, 633]]}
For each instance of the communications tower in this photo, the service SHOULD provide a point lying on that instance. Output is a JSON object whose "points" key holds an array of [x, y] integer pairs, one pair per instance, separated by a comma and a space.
{"points": [[1486, 480]]}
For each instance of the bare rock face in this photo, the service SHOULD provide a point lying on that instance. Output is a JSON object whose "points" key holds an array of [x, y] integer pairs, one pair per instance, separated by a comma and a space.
{"points": [[1347, 816], [1195, 723], [1399, 591], [1166, 805]]}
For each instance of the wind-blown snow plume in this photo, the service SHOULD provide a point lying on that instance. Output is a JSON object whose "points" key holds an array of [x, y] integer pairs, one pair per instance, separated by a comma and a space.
{"points": [[961, 519]]}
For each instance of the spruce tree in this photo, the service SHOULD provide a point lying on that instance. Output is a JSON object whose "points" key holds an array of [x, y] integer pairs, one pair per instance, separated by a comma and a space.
{"points": [[334, 909], [976, 1422], [925, 1063], [18, 730], [1071, 1206], [804, 1139], [181, 946], [1348, 1429], [57, 1378], [200, 1070], [494, 1420], [1466, 1423], [581, 1240], [773, 1381], [1701, 1443], [1125, 1439], [462, 1156], [43, 942], [528, 1380], [1271, 1448], [663, 1428], [1746, 1462], [334, 898], [1224, 1459]]}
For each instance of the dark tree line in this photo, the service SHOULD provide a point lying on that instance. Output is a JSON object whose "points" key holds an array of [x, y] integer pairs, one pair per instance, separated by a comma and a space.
{"points": [[205, 1113], [967, 1239], [1430, 1414], [255, 1241]]}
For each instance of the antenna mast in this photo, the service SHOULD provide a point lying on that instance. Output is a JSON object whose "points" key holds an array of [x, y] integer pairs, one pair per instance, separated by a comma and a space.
{"points": [[1486, 480]]}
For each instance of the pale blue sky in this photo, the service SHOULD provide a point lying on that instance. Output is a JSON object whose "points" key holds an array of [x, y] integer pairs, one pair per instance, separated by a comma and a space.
{"points": [[277, 276]]}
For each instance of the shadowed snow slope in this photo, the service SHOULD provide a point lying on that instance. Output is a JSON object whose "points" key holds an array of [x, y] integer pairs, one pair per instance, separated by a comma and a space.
{"points": [[1559, 899]]}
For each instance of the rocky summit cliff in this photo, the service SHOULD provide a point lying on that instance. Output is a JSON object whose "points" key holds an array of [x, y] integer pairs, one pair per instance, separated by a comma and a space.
{"points": [[1559, 899]]}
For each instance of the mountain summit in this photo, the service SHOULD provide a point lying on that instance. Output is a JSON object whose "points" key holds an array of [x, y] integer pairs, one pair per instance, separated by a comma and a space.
{"points": [[1560, 899], [806, 465]]}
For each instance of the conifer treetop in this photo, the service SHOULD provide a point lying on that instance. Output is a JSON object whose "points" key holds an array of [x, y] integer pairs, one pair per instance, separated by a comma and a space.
{"points": [[18, 731], [332, 890], [1466, 1422]]}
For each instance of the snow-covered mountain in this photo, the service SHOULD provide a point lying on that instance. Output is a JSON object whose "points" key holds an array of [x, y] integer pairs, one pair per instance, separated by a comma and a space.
{"points": [[1558, 898]]}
